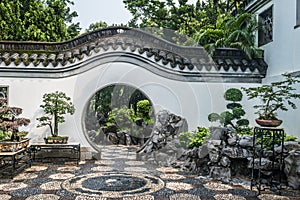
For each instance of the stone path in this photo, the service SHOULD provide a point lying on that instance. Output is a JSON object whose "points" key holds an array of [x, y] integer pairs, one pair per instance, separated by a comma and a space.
{"points": [[119, 176]]}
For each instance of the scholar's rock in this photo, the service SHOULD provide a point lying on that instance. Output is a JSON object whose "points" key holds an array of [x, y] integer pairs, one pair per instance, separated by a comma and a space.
{"points": [[292, 169]]}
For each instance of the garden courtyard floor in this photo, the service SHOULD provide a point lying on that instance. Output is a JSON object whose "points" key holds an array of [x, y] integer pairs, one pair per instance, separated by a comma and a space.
{"points": [[119, 175]]}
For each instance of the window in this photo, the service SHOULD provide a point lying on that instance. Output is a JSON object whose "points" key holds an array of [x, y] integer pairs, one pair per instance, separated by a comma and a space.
{"points": [[265, 32], [3, 95], [297, 13]]}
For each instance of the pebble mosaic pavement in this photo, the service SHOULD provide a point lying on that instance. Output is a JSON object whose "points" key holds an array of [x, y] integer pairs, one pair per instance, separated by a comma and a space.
{"points": [[119, 176]]}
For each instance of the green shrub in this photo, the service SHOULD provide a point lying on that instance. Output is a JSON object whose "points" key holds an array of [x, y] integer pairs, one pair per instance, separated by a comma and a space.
{"points": [[144, 109], [277, 142], [185, 139], [123, 117], [245, 131], [194, 139], [290, 138], [232, 116]]}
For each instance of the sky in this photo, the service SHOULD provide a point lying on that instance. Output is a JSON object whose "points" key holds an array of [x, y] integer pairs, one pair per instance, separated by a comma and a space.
{"points": [[109, 11]]}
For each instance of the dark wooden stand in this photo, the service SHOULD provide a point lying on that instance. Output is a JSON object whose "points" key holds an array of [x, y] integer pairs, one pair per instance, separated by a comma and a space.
{"points": [[13, 162], [42, 151], [270, 136]]}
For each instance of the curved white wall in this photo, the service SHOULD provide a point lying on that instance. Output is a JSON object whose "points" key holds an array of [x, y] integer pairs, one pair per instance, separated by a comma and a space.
{"points": [[191, 100]]}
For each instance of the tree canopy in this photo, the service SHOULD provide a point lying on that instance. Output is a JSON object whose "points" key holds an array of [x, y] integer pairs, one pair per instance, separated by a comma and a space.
{"points": [[179, 15], [211, 23], [37, 20]]}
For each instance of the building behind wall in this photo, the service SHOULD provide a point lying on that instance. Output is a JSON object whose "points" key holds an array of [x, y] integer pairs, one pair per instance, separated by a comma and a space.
{"points": [[280, 40]]}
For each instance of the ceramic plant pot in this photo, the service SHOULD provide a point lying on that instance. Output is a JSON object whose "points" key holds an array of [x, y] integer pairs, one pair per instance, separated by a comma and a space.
{"points": [[268, 122]]}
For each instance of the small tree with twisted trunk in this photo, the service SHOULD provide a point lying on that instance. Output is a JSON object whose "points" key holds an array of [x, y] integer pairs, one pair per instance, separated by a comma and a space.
{"points": [[55, 106], [275, 96]]}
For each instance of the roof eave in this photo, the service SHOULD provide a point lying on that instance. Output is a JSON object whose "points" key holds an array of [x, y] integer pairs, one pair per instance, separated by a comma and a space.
{"points": [[255, 5]]}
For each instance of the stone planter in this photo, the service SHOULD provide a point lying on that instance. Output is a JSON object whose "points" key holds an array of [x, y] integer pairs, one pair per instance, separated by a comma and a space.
{"points": [[56, 140], [9, 146]]}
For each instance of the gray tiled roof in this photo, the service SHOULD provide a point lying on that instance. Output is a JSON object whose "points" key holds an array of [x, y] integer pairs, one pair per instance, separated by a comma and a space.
{"points": [[193, 61]]}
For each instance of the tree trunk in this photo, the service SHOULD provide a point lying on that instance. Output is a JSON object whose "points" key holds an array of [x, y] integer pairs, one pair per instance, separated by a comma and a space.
{"points": [[55, 121]]}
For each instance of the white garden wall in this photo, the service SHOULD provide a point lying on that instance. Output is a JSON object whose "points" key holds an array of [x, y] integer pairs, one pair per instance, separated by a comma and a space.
{"points": [[191, 100]]}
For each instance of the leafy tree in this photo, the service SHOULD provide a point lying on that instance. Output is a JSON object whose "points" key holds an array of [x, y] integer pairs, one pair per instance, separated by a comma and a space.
{"points": [[179, 15], [96, 25], [212, 23], [276, 96], [38, 20], [229, 31]]}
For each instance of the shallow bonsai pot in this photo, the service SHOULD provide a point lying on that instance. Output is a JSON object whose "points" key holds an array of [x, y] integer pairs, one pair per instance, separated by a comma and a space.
{"points": [[56, 140], [268, 122], [10, 146]]}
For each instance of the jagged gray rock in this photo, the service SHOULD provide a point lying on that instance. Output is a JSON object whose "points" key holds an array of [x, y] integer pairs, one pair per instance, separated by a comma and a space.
{"points": [[246, 141], [292, 169], [163, 144]]}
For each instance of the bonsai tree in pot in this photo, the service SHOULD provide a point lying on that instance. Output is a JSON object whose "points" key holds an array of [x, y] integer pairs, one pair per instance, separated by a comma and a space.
{"points": [[11, 139], [274, 97], [55, 106]]}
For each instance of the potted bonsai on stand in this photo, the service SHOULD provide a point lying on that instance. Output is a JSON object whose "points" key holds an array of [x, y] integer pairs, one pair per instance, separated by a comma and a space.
{"points": [[55, 106], [274, 97]]}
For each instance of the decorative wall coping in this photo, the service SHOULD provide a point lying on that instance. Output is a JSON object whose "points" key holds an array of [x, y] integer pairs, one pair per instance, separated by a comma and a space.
{"points": [[53, 59], [253, 5]]}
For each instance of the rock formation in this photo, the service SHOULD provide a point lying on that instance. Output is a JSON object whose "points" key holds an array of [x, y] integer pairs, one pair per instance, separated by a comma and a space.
{"points": [[162, 146]]}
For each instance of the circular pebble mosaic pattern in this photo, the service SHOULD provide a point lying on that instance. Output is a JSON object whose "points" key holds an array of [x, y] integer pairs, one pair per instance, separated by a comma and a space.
{"points": [[120, 176], [113, 184]]}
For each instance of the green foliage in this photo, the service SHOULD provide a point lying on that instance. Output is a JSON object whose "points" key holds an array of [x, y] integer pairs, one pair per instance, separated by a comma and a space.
{"points": [[10, 122], [4, 135], [144, 111], [231, 31], [118, 96], [212, 117], [180, 16], [233, 94], [38, 20], [275, 96], [245, 131], [96, 25], [55, 106], [290, 138], [268, 143], [233, 116], [193, 139], [123, 117], [210, 23]]}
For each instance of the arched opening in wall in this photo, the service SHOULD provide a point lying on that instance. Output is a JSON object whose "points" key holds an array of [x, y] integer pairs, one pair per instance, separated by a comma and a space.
{"points": [[118, 114]]}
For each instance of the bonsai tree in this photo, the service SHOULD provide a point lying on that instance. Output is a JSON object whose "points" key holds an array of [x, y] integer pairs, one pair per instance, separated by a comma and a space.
{"points": [[10, 122], [55, 106], [233, 116], [274, 96]]}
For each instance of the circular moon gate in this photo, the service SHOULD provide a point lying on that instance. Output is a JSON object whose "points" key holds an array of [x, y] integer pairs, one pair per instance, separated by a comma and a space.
{"points": [[113, 185], [115, 109]]}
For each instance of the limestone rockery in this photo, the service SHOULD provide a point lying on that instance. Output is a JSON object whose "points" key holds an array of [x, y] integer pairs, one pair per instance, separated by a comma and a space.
{"points": [[225, 155]]}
